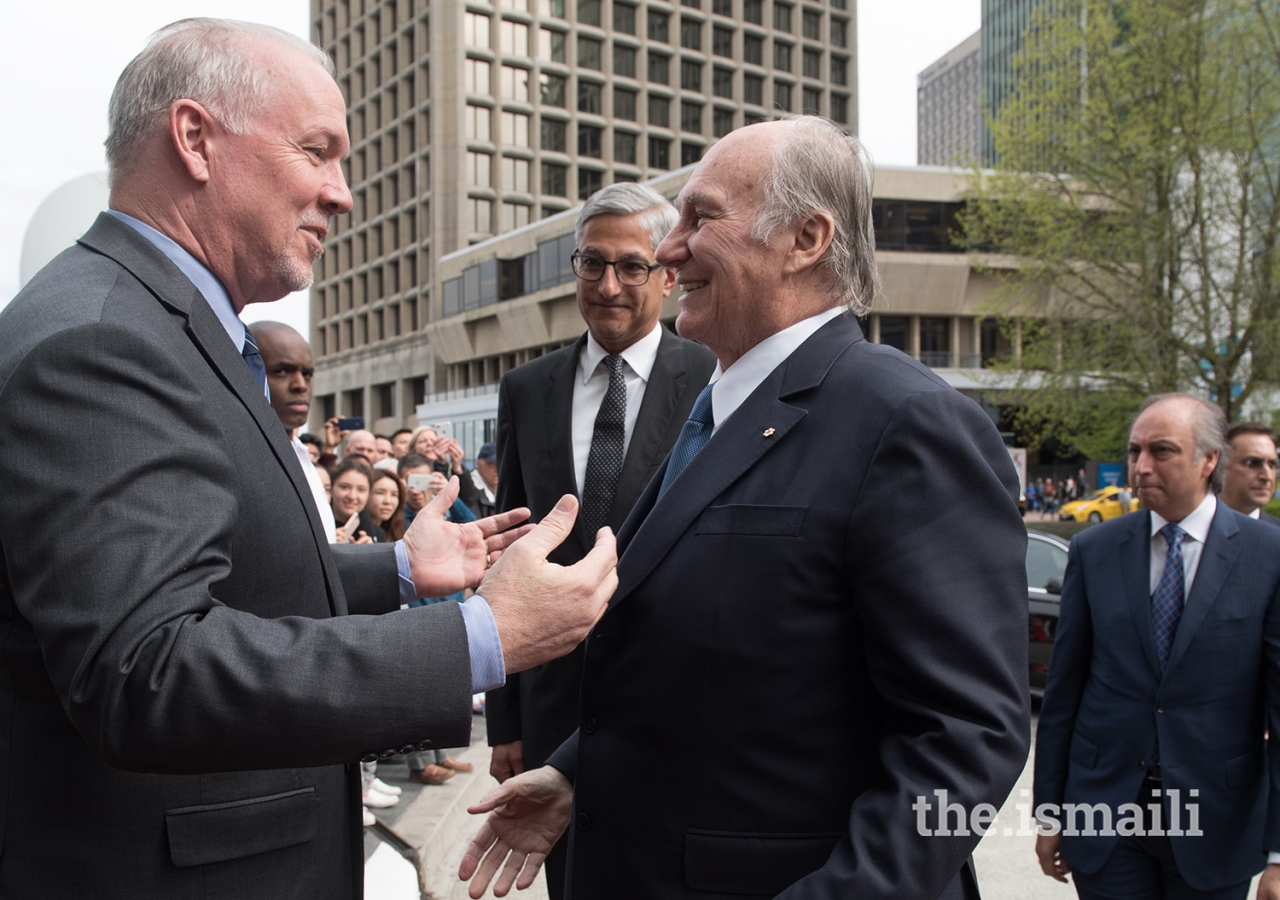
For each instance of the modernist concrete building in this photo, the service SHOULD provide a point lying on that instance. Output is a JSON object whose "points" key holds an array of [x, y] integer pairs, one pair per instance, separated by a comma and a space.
{"points": [[474, 119], [949, 107]]}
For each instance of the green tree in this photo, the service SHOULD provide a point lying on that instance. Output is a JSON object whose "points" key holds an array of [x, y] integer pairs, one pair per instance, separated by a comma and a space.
{"points": [[1134, 211]]}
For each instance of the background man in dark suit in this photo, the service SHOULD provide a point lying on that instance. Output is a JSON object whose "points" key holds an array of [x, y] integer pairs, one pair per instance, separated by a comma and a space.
{"points": [[569, 423], [1165, 675], [182, 682], [821, 614], [1249, 476]]}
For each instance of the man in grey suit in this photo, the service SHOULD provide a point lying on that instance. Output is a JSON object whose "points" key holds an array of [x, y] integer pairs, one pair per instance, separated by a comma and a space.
{"points": [[594, 419], [189, 671], [1249, 476]]}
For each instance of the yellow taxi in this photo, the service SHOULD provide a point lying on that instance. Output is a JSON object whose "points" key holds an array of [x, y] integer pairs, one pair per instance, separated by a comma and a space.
{"points": [[1105, 503]]}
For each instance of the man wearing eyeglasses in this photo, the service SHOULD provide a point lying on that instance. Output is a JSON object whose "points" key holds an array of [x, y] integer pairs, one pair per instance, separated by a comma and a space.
{"points": [[1250, 481], [594, 419]]}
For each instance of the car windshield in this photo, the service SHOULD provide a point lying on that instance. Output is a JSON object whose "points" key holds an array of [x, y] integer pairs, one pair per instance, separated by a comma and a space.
{"points": [[1097, 495]]}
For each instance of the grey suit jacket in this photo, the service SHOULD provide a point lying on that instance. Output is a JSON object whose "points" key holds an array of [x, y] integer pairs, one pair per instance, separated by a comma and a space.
{"points": [[535, 469], [181, 681]]}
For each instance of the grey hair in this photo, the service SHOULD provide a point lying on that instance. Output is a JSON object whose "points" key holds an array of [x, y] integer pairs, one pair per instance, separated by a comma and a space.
{"points": [[657, 215], [209, 61], [817, 167], [1208, 428]]}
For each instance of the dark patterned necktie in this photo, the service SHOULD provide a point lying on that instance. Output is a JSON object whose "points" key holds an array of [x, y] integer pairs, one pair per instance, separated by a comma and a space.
{"points": [[1167, 601], [254, 360], [604, 461], [693, 436]]}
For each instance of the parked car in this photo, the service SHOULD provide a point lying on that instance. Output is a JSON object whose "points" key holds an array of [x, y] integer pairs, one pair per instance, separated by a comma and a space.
{"points": [[1106, 503], [1046, 563]]}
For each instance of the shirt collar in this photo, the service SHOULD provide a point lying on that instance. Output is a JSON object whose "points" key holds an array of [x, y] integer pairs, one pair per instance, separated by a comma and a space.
{"points": [[1197, 521], [204, 280], [640, 356]]}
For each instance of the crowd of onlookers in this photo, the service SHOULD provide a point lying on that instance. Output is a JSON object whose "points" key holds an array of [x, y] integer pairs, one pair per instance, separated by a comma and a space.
{"points": [[1046, 495]]}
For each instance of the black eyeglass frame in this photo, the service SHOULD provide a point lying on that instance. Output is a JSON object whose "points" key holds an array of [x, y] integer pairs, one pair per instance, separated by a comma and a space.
{"points": [[605, 263]]}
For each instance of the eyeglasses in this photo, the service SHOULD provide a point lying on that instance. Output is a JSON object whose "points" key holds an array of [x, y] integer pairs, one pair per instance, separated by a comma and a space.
{"points": [[629, 271], [1256, 463]]}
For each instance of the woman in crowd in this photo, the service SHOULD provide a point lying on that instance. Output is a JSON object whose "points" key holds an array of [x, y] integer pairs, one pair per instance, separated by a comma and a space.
{"points": [[386, 504], [352, 479]]}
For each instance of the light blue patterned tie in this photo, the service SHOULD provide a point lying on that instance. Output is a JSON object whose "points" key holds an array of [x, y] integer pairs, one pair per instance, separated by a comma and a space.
{"points": [[695, 433], [1167, 601], [254, 360]]}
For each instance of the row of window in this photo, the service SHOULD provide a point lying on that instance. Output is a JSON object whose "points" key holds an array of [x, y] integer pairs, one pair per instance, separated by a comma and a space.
{"points": [[626, 15]]}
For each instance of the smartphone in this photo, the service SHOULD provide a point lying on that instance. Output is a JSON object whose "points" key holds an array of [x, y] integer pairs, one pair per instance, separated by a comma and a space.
{"points": [[444, 430], [353, 423], [419, 482]]}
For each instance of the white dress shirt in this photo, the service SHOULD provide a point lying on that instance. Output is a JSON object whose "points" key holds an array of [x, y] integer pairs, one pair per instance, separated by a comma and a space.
{"points": [[317, 490], [593, 381], [1196, 525]]}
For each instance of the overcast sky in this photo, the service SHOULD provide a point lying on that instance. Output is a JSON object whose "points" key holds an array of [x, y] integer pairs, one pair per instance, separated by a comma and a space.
{"points": [[63, 58]]}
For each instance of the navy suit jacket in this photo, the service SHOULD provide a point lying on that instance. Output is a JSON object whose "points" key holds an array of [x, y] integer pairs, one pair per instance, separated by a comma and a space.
{"points": [[821, 621], [1105, 703]]}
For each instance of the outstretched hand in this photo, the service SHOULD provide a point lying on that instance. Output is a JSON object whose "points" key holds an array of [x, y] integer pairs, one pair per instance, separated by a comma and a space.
{"points": [[446, 557], [527, 815]]}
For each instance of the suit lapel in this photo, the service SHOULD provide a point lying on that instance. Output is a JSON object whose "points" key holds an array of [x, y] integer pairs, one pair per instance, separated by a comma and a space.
{"points": [[1135, 568], [762, 422], [558, 420], [1216, 559]]}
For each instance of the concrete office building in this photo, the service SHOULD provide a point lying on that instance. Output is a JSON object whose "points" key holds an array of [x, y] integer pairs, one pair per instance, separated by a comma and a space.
{"points": [[949, 107], [472, 119]]}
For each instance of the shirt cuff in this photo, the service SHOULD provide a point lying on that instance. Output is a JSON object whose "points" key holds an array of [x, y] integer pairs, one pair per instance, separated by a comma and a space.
{"points": [[408, 593], [1272, 858], [488, 668]]}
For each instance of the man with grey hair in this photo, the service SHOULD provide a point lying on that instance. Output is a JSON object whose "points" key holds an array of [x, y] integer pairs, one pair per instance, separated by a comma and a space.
{"points": [[190, 671], [817, 654], [1164, 680], [594, 419]]}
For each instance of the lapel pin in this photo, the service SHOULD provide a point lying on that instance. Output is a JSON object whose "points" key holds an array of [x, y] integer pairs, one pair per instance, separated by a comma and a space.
{"points": [[768, 432]]}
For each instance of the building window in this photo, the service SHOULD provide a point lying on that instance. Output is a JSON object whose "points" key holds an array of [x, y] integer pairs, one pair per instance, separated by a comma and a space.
{"points": [[659, 111], [722, 41], [476, 122], [475, 76], [753, 11], [782, 17], [893, 332], [624, 61], [691, 75], [840, 109], [553, 135], [657, 26], [721, 122], [659, 68], [781, 56], [691, 117], [753, 89], [811, 25], [551, 45], [624, 104], [690, 34], [753, 49], [553, 89], [692, 4], [590, 95], [514, 215], [782, 96], [515, 174], [811, 101], [722, 83], [514, 84], [624, 18], [481, 215], [513, 38], [839, 28], [479, 169], [659, 153], [624, 147], [722, 7], [589, 12], [553, 180], [515, 129], [589, 141], [811, 63], [589, 53], [475, 30], [839, 70], [589, 181], [551, 8], [690, 153]]}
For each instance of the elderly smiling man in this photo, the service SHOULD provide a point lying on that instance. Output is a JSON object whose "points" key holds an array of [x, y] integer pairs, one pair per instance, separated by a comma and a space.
{"points": [[821, 616]]}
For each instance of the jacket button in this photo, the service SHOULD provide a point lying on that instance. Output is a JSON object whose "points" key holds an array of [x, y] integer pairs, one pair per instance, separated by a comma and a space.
{"points": [[589, 724], [408, 748], [1160, 708], [425, 745], [369, 757], [388, 753], [584, 822]]}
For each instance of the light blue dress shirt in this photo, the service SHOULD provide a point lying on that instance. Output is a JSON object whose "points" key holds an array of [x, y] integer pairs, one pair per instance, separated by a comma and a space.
{"points": [[488, 669]]}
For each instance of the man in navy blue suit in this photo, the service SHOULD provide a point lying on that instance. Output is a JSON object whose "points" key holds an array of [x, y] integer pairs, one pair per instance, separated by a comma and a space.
{"points": [[1165, 677]]}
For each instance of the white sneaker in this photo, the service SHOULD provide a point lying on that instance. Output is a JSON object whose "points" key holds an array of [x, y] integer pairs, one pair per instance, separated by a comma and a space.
{"points": [[379, 785], [375, 799], [369, 820]]}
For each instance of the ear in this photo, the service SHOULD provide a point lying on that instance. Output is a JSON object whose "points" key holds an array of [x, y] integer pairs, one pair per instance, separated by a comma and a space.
{"points": [[190, 130], [668, 280], [813, 237]]}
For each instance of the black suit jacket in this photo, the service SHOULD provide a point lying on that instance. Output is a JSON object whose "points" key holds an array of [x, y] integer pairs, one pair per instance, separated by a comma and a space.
{"points": [[821, 621], [182, 682], [1267, 517], [535, 469]]}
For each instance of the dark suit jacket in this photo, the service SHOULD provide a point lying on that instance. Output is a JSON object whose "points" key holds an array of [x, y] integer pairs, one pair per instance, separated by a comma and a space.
{"points": [[181, 681], [1105, 703], [822, 620], [535, 469], [1265, 516]]}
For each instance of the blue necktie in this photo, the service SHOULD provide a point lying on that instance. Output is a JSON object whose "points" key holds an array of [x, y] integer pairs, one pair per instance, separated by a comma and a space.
{"points": [[695, 433], [1167, 601], [254, 360]]}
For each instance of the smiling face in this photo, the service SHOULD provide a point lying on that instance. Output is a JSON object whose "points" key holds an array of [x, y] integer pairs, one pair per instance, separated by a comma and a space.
{"points": [[618, 315], [350, 493], [1169, 475], [384, 499]]}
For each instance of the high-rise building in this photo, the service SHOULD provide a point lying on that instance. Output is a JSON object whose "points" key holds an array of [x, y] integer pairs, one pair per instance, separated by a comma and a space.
{"points": [[472, 120], [949, 107]]}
